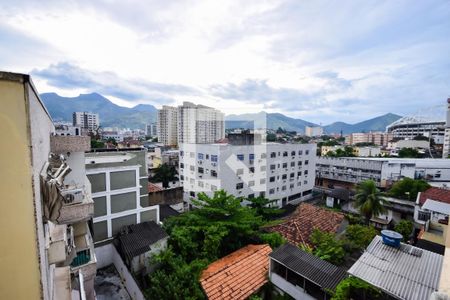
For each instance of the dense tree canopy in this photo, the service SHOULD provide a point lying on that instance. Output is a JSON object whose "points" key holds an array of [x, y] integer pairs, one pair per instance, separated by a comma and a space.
{"points": [[408, 153], [405, 228], [164, 173], [359, 236], [408, 188], [325, 246]]}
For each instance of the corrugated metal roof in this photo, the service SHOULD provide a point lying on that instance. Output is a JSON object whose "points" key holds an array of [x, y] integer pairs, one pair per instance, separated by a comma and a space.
{"points": [[322, 273], [407, 272], [136, 239]]}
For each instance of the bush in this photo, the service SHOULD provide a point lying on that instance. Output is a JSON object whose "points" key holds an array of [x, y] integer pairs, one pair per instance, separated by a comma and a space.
{"points": [[360, 236], [327, 247], [274, 239], [355, 288], [405, 228]]}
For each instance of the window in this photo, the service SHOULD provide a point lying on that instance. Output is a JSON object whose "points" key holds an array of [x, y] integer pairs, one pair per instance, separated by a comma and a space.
{"points": [[262, 194], [200, 170], [251, 196], [292, 153], [306, 172], [181, 177], [292, 163], [200, 156], [207, 156], [285, 154], [213, 188], [273, 155], [284, 176], [271, 191], [122, 180], [213, 173], [423, 216], [251, 156], [300, 152], [239, 171], [292, 175], [306, 152], [299, 162], [192, 168], [192, 194], [263, 168], [262, 181], [181, 153], [200, 183], [283, 188], [181, 165], [305, 182], [240, 156], [291, 186], [272, 179], [240, 186], [100, 206], [214, 158], [191, 154], [299, 173], [251, 183], [272, 167], [251, 169], [122, 202], [263, 155], [284, 165], [306, 162]]}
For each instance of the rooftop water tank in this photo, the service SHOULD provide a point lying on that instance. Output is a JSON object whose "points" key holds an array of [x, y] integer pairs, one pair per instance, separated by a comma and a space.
{"points": [[391, 238]]}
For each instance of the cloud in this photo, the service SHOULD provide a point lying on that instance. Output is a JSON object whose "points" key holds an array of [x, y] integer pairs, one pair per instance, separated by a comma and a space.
{"points": [[68, 76]]}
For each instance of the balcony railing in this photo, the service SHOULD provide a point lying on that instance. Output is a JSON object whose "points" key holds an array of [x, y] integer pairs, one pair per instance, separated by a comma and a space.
{"points": [[82, 258]]}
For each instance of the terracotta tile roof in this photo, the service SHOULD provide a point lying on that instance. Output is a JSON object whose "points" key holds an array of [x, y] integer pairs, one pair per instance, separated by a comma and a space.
{"points": [[237, 275], [436, 194], [153, 188], [299, 226]]}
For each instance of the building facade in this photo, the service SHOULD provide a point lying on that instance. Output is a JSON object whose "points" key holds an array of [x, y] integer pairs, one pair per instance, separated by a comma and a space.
{"points": [[120, 191], [313, 131], [376, 138], [410, 127], [46, 250], [283, 173], [151, 129], [65, 129], [384, 171], [167, 125], [86, 120], [446, 149]]}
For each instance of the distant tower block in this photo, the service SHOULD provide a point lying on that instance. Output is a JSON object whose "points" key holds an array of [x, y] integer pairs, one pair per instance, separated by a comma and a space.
{"points": [[446, 149]]}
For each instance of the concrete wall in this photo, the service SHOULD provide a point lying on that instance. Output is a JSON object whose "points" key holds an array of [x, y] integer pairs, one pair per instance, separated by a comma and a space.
{"points": [[169, 196], [19, 262]]}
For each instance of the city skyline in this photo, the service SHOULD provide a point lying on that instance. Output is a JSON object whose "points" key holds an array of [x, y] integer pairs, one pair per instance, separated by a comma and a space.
{"points": [[320, 61]]}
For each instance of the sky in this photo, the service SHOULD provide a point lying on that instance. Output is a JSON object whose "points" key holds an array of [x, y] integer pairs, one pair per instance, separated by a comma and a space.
{"points": [[322, 61]]}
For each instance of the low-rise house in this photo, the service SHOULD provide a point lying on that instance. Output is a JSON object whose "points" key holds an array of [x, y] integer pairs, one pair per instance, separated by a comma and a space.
{"points": [[237, 275], [303, 275], [138, 243], [431, 214], [298, 227], [404, 272]]}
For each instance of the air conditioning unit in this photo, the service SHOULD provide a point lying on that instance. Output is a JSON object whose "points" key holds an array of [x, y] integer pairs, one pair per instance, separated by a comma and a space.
{"points": [[72, 196]]}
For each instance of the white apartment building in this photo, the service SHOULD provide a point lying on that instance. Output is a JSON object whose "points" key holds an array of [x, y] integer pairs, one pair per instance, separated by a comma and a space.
{"points": [[190, 124], [384, 171], [284, 173], [86, 120], [151, 129], [167, 125], [199, 124], [120, 191], [446, 149], [66, 129], [313, 131]]}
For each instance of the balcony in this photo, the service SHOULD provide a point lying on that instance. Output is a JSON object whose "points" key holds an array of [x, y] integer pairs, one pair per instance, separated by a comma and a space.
{"points": [[77, 204], [60, 242]]}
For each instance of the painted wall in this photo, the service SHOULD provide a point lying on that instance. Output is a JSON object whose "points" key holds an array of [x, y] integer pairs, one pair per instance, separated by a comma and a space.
{"points": [[19, 264]]}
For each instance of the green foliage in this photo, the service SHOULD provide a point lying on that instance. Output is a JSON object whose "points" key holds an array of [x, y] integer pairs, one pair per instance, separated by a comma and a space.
{"points": [[405, 228], [360, 236], [408, 153], [112, 141], [271, 137], [364, 144], [408, 188], [327, 247], [274, 239], [164, 173], [346, 152], [354, 219], [175, 279], [369, 200], [355, 288], [262, 208], [97, 144]]}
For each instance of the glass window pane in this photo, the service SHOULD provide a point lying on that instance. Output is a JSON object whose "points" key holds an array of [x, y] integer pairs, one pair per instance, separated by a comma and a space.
{"points": [[99, 206], [123, 179], [118, 223], [100, 231], [98, 182], [123, 202]]}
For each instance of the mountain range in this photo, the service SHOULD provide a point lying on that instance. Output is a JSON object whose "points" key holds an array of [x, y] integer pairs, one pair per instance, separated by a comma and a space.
{"points": [[113, 115]]}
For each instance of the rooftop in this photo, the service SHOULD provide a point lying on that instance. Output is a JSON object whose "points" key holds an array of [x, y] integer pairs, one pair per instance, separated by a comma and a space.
{"points": [[237, 275], [321, 272], [406, 273], [136, 239], [154, 188], [436, 194], [299, 226], [166, 211]]}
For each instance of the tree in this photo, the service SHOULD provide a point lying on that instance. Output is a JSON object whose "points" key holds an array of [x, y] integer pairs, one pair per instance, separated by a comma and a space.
{"points": [[408, 188], [359, 236], [164, 173], [408, 153], [262, 208], [175, 279], [405, 228], [327, 247], [271, 137], [274, 239], [355, 288], [369, 200], [96, 144], [112, 141]]}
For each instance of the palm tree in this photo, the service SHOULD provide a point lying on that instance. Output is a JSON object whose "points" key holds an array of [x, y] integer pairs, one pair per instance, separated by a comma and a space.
{"points": [[164, 173], [369, 200]]}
